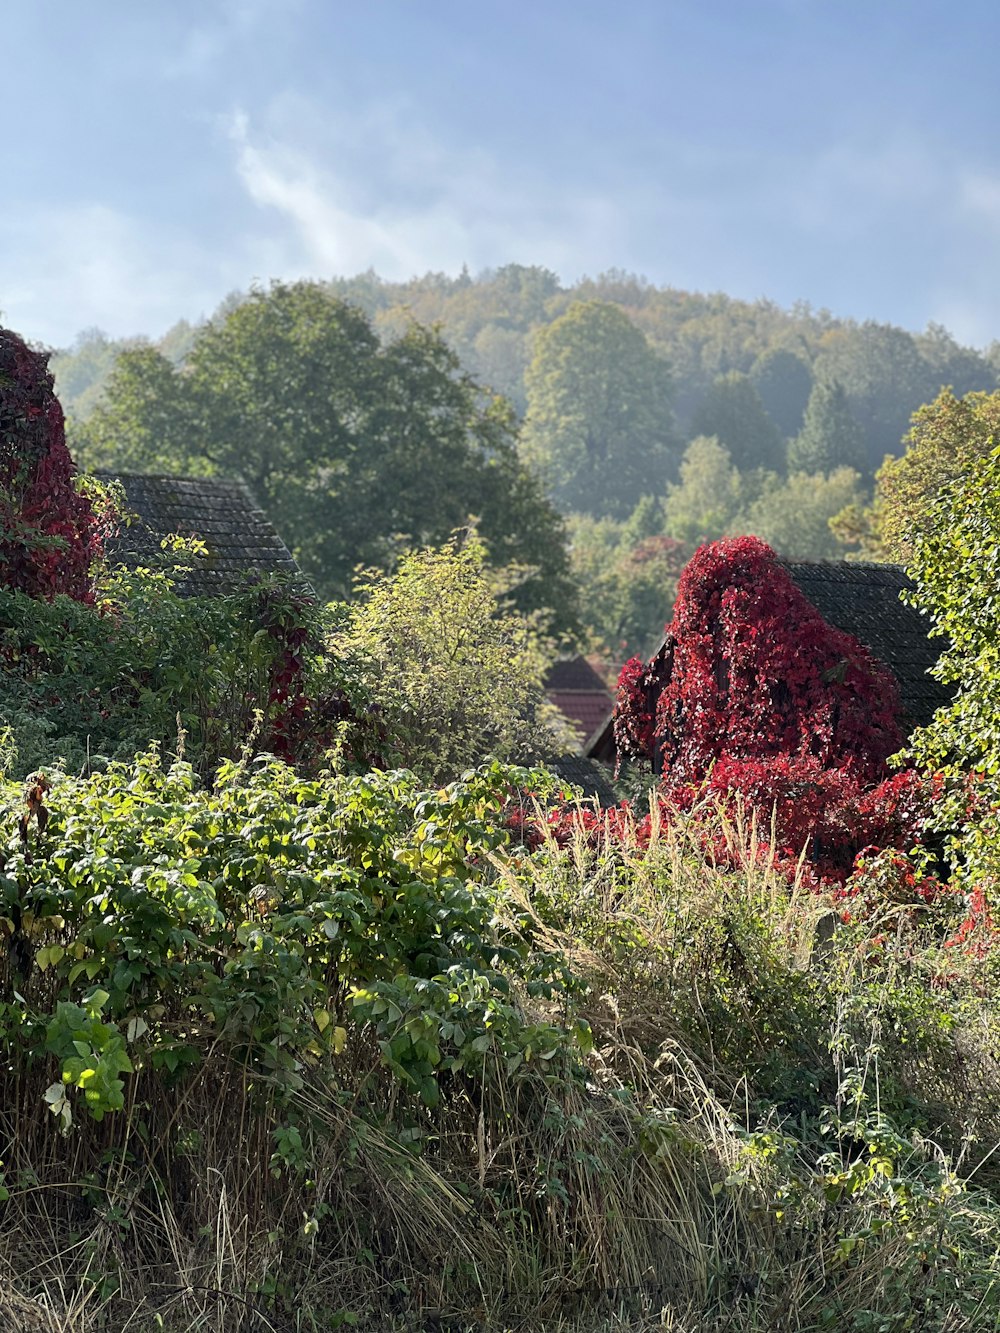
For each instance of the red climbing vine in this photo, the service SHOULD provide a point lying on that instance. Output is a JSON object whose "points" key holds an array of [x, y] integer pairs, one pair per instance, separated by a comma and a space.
{"points": [[49, 532], [751, 670], [753, 694]]}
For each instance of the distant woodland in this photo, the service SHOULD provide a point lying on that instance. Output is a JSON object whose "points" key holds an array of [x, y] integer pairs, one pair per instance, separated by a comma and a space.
{"points": [[613, 424]]}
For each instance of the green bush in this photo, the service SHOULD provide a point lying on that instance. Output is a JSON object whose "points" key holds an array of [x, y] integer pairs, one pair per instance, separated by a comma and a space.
{"points": [[81, 685], [321, 1049]]}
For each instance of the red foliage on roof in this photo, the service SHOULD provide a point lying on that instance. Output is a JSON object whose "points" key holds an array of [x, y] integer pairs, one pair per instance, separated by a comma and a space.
{"points": [[750, 670]]}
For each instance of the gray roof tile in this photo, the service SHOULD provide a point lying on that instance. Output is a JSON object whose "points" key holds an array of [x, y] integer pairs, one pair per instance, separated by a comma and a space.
{"points": [[863, 599], [241, 542]]}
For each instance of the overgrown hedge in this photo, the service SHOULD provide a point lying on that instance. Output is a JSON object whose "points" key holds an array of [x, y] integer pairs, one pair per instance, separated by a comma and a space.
{"points": [[298, 1052]]}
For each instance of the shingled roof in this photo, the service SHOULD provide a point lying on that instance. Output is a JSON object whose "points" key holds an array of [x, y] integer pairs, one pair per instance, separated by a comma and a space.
{"points": [[241, 542], [864, 600], [575, 688], [590, 777]]}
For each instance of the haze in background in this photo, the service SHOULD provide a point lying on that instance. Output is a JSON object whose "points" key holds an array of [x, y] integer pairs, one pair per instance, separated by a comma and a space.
{"points": [[158, 157]]}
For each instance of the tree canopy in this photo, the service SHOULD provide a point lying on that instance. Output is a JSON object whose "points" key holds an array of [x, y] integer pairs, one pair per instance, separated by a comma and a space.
{"points": [[704, 503], [783, 381], [358, 449], [794, 515], [453, 678], [733, 413], [946, 437], [830, 437], [599, 426], [955, 562]]}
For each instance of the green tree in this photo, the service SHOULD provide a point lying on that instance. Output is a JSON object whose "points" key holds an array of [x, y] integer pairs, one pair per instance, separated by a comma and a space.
{"points": [[955, 562], [965, 369], [794, 516], [454, 677], [145, 421], [357, 449], [830, 437], [885, 379], [599, 423], [732, 412], [627, 573], [711, 492], [783, 381], [945, 438], [81, 371]]}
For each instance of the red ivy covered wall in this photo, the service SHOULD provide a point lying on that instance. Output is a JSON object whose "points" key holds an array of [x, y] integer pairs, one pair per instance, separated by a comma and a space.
{"points": [[49, 533]]}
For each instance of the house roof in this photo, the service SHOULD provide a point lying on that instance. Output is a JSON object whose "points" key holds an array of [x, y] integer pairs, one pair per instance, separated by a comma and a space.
{"points": [[580, 694], [241, 541], [863, 599], [574, 674], [586, 713]]}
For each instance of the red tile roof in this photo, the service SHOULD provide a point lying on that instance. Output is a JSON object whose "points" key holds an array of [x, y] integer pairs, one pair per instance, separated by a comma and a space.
{"points": [[586, 710]]}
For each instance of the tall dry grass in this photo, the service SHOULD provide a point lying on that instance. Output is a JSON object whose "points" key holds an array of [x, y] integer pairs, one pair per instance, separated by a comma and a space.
{"points": [[682, 1174]]}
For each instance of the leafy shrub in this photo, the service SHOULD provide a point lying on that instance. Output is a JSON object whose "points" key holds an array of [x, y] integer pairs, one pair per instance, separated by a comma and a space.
{"points": [[339, 1046], [243, 912], [454, 675], [82, 684]]}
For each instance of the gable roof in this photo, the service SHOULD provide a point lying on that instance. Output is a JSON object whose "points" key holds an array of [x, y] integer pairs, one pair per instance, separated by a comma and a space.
{"points": [[575, 688], [863, 599], [241, 541]]}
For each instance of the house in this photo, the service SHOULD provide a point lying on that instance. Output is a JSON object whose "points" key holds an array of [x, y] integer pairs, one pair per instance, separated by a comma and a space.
{"points": [[581, 695], [241, 543], [863, 600]]}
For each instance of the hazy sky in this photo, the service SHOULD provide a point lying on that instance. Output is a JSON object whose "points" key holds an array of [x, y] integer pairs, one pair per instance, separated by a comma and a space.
{"points": [[157, 154]]}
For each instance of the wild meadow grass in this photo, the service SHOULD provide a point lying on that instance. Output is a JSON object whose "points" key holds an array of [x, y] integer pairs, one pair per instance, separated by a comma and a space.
{"points": [[401, 1073]]}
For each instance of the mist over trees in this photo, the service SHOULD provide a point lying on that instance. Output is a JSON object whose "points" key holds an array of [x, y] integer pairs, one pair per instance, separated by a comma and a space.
{"points": [[400, 409]]}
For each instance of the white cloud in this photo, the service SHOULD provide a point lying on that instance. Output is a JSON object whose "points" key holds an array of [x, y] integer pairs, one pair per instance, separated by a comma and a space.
{"points": [[379, 192]]}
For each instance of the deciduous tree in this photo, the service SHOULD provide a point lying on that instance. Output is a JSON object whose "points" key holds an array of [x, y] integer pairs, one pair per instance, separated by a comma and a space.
{"points": [[710, 493], [599, 426], [454, 677], [783, 381], [357, 449], [733, 413], [794, 515]]}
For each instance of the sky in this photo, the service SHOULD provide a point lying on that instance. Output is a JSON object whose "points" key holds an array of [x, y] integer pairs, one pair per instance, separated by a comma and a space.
{"points": [[159, 155]]}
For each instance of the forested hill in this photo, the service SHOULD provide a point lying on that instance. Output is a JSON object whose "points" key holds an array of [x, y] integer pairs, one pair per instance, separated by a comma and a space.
{"points": [[491, 321], [645, 422]]}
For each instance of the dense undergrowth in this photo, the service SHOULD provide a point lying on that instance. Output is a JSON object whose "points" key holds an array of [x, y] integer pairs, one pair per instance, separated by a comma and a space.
{"points": [[296, 1054]]}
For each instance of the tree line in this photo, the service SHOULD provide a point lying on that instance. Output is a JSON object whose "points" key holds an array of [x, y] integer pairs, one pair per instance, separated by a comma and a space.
{"points": [[597, 433]]}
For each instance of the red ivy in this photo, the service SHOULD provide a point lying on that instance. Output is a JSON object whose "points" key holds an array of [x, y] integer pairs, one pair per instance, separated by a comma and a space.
{"points": [[753, 671], [49, 534], [752, 692]]}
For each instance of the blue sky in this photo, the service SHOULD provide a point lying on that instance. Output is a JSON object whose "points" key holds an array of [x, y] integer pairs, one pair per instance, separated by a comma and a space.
{"points": [[161, 153]]}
